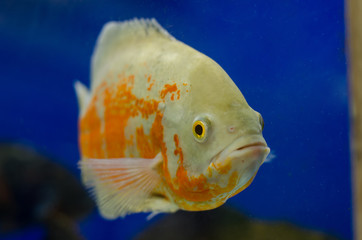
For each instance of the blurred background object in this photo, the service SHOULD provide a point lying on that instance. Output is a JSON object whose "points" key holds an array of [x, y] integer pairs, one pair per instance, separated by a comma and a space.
{"points": [[354, 27], [225, 223], [36, 190]]}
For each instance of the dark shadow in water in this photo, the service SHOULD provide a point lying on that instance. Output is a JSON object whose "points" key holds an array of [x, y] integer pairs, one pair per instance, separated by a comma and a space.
{"points": [[227, 224], [35, 190]]}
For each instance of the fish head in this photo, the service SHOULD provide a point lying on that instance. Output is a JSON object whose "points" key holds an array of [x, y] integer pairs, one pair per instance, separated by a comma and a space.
{"points": [[217, 139]]}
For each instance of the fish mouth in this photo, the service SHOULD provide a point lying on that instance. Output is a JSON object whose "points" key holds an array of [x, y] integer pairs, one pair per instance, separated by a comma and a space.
{"points": [[234, 168], [250, 150]]}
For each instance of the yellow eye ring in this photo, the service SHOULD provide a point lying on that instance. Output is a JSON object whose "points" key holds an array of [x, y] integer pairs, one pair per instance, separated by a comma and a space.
{"points": [[199, 129]]}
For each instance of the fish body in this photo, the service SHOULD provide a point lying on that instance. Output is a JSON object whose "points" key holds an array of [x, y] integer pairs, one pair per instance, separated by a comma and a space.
{"points": [[163, 127]]}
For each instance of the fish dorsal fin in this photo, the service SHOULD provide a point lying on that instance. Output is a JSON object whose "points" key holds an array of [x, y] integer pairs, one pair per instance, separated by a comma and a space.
{"points": [[121, 185], [83, 96], [115, 34]]}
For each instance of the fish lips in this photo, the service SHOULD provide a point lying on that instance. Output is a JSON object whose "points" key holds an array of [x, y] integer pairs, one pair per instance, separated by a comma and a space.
{"points": [[244, 155]]}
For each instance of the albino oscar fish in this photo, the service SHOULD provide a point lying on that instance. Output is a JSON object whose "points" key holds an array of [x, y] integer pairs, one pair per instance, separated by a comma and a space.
{"points": [[163, 127]]}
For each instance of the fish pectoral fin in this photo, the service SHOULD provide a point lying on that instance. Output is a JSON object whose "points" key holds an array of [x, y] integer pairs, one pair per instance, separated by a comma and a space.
{"points": [[121, 185]]}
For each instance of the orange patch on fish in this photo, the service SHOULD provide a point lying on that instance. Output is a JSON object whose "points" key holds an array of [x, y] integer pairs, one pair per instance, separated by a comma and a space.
{"points": [[150, 87], [147, 147], [197, 188], [168, 89], [224, 169], [151, 83], [120, 104], [90, 138]]}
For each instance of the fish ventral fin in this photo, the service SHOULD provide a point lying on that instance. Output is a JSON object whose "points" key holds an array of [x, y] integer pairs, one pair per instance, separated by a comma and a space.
{"points": [[115, 35], [83, 96], [121, 185]]}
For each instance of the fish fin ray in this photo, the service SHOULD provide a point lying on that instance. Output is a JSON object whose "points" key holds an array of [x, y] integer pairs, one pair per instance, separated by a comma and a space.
{"points": [[120, 191]]}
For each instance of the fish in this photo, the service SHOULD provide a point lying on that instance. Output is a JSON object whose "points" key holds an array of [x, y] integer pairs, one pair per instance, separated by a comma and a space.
{"points": [[162, 127]]}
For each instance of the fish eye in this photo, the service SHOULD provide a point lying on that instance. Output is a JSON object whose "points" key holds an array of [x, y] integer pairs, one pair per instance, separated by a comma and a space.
{"points": [[200, 130], [261, 120]]}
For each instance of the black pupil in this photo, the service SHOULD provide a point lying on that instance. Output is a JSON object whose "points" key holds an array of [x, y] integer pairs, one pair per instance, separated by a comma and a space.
{"points": [[198, 129]]}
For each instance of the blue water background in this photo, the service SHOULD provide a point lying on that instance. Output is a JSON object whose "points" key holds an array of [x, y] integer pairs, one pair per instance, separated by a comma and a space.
{"points": [[287, 57]]}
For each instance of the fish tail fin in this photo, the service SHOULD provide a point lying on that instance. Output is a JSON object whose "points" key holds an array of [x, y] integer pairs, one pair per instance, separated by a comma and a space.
{"points": [[82, 95]]}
